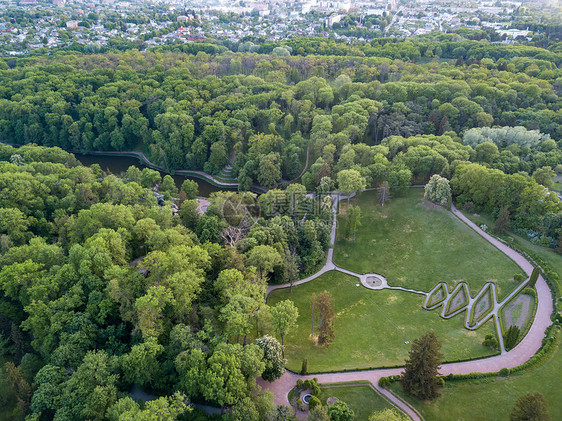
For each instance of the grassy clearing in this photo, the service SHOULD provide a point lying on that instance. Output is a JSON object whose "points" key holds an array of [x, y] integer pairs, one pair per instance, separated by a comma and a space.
{"points": [[362, 399], [372, 326], [493, 399], [415, 245]]}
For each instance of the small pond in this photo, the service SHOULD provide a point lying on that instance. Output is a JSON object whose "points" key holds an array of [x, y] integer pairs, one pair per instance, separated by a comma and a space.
{"points": [[119, 164]]}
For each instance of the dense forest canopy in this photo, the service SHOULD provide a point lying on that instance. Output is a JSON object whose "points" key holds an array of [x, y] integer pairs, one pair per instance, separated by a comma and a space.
{"points": [[390, 119], [104, 287]]}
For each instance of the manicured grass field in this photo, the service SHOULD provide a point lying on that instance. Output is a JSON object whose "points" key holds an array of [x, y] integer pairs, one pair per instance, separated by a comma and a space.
{"points": [[493, 399], [362, 399], [415, 244], [371, 327]]}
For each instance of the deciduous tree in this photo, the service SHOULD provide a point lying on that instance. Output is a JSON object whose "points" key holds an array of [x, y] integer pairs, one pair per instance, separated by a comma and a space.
{"points": [[530, 407], [284, 317]]}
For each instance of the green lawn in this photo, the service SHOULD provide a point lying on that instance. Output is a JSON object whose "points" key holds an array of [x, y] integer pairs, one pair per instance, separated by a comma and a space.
{"points": [[414, 244], [361, 398], [371, 327], [493, 399]]}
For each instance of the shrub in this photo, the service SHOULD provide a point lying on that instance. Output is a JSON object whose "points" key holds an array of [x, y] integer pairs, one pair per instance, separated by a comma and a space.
{"points": [[340, 411], [490, 341], [504, 372], [301, 406], [530, 291], [315, 390], [384, 382], [314, 402], [518, 277], [300, 384], [469, 207]]}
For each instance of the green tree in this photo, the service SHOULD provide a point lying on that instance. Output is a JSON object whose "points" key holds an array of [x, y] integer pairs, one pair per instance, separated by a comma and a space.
{"points": [[350, 181], [511, 336], [231, 372], [340, 411], [490, 341], [320, 413], [530, 407], [264, 258], [91, 389], [189, 214], [544, 176], [133, 174], [437, 189], [190, 188], [269, 173], [141, 365], [501, 224], [282, 413], [20, 386], [284, 317], [149, 177], [164, 408], [150, 308], [420, 377], [389, 414], [168, 187]]}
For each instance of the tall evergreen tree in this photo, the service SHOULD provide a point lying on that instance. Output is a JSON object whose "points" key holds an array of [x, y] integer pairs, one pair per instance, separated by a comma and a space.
{"points": [[420, 377], [511, 336], [502, 223]]}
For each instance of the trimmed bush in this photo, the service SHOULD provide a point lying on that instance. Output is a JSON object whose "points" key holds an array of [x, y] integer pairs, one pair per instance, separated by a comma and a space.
{"points": [[384, 382], [315, 390], [530, 291], [534, 277], [300, 384], [504, 372]]}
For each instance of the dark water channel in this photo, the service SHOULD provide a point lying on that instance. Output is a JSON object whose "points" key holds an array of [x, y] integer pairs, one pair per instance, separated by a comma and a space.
{"points": [[119, 164]]}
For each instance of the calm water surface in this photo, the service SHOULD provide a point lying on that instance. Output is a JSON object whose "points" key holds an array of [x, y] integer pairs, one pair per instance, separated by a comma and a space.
{"points": [[119, 164]]}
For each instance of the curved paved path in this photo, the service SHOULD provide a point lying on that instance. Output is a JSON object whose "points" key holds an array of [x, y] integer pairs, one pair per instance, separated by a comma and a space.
{"points": [[517, 356]]}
